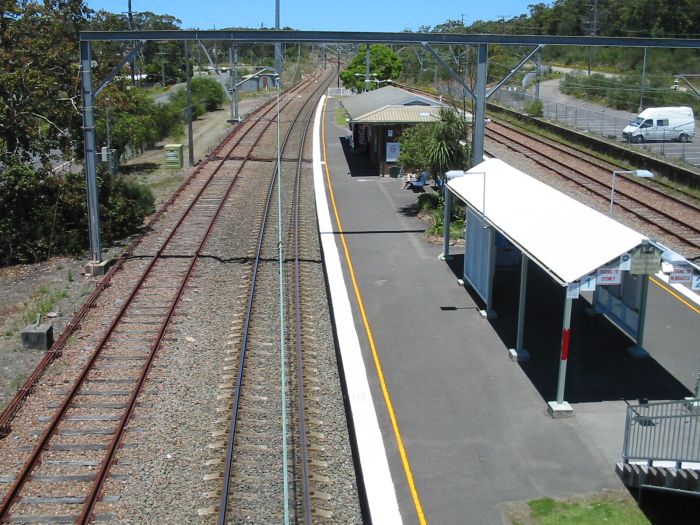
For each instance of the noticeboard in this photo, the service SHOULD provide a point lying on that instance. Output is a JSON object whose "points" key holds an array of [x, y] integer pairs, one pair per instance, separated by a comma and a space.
{"points": [[646, 260], [173, 156]]}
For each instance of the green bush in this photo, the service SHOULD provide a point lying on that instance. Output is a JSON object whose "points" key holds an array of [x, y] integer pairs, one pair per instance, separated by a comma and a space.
{"points": [[209, 92], [44, 214], [207, 95], [535, 109]]}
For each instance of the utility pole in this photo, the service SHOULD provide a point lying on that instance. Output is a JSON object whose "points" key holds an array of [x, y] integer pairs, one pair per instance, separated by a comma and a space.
{"points": [[367, 62], [132, 64], [233, 79], [593, 33], [278, 45], [338, 76], [539, 74], [190, 140], [162, 55], [641, 86]]}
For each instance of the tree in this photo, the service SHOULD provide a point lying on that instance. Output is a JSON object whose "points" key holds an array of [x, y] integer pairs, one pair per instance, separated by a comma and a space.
{"points": [[131, 118], [39, 83], [438, 147], [384, 64]]}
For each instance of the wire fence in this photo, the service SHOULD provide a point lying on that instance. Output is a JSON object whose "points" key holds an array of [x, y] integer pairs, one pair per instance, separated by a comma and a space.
{"points": [[606, 123]]}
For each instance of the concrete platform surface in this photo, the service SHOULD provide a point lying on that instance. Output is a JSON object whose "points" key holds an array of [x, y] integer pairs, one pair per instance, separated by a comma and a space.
{"points": [[474, 423]]}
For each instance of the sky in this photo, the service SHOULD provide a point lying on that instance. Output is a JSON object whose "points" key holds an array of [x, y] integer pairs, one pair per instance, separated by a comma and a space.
{"points": [[322, 15]]}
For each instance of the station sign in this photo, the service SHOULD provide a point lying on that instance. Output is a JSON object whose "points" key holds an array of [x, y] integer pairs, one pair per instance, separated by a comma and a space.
{"points": [[572, 290], [393, 149], [625, 261], [588, 284], [681, 275], [695, 282], [608, 276]]}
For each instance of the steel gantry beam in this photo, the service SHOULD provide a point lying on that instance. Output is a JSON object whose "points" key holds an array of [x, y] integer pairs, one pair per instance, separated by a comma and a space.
{"points": [[350, 37]]}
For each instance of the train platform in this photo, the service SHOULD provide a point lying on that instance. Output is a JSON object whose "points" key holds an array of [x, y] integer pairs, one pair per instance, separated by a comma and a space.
{"points": [[465, 430]]}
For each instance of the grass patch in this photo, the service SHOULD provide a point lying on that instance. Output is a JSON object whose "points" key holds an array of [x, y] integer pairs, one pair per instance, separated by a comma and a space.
{"points": [[17, 382], [42, 303], [340, 117], [606, 509]]}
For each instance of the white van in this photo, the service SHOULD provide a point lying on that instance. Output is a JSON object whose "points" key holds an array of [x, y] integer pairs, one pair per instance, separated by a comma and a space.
{"points": [[672, 123]]}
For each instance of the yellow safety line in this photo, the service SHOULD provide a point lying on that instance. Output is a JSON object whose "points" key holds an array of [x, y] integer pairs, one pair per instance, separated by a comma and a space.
{"points": [[664, 286], [375, 356]]}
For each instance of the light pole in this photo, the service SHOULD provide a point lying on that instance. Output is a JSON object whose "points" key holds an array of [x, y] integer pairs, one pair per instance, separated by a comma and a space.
{"points": [[368, 80], [645, 174]]}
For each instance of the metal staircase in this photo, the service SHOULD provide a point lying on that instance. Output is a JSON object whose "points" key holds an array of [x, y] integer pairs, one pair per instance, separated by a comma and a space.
{"points": [[661, 449]]}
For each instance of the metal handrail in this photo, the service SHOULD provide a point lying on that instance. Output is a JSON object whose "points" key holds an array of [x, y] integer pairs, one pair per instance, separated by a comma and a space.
{"points": [[663, 431]]}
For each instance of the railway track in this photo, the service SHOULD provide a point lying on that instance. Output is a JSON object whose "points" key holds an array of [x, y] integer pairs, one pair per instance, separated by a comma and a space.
{"points": [[77, 458], [266, 467]]}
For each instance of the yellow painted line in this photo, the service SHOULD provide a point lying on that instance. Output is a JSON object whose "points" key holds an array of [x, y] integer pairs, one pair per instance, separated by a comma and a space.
{"points": [[664, 286], [375, 355]]}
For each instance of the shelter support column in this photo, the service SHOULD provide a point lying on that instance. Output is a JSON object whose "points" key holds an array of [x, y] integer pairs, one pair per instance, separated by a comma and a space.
{"points": [[638, 349], [489, 312], [445, 255], [561, 408], [519, 353]]}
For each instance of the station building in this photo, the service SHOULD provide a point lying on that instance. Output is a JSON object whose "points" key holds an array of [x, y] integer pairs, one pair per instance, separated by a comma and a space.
{"points": [[377, 118]]}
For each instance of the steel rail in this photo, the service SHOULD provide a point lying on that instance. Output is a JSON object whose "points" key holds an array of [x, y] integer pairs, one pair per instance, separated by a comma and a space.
{"points": [[43, 441], [230, 448], [297, 320]]}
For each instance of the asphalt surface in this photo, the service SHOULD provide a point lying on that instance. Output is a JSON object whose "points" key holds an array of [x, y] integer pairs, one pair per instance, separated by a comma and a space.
{"points": [[474, 424]]}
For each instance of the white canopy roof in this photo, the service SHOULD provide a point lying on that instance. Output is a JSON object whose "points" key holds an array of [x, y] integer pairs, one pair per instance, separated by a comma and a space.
{"points": [[563, 236]]}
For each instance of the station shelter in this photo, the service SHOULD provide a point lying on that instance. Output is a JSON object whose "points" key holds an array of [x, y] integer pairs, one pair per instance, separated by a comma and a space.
{"points": [[377, 118], [514, 219]]}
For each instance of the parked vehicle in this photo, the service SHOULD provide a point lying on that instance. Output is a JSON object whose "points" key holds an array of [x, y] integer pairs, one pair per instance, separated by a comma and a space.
{"points": [[665, 124]]}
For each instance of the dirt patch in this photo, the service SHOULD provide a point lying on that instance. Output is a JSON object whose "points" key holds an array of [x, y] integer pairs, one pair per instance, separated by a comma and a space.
{"points": [[56, 288]]}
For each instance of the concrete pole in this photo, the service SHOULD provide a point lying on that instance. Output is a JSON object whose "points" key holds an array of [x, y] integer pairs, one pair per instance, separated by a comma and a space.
{"points": [[233, 80], [479, 105], [90, 152], [190, 140], [564, 355], [446, 225], [539, 74], [641, 87]]}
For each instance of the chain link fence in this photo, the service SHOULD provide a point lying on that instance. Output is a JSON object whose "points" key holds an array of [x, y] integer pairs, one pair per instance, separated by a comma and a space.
{"points": [[607, 123]]}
